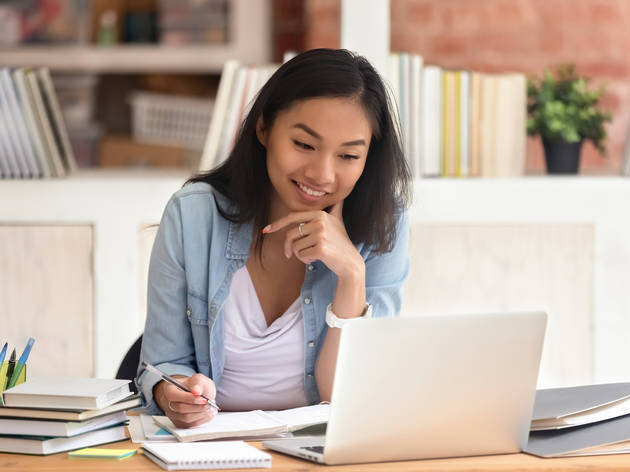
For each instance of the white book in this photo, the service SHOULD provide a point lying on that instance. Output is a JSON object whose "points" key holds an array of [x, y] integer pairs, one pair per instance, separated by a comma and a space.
{"points": [[249, 423], [67, 392], [56, 119], [197, 456], [232, 116], [5, 169], [19, 121], [415, 91], [464, 124], [48, 445], [41, 117], [431, 121], [12, 144], [29, 427], [405, 105], [394, 91], [69, 414], [32, 126], [210, 150]]}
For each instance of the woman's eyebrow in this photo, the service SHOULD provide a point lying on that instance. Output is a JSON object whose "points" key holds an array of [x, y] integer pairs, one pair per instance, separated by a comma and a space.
{"points": [[302, 126]]}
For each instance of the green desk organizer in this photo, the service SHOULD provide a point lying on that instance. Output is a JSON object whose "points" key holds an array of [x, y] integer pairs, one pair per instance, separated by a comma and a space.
{"points": [[4, 380]]}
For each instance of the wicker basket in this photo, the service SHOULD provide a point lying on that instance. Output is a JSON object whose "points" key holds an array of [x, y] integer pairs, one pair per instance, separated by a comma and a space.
{"points": [[170, 120]]}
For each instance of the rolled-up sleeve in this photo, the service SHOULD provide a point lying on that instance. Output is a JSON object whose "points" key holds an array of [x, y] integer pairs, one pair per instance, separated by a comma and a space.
{"points": [[167, 340], [386, 273]]}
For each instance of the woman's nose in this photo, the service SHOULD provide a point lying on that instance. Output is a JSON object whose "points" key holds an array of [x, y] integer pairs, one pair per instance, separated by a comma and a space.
{"points": [[321, 170]]}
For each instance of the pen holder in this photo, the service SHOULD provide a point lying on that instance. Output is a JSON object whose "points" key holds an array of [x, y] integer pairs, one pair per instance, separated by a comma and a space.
{"points": [[4, 380]]}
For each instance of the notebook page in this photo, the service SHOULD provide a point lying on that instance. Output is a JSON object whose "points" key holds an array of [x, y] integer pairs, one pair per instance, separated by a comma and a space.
{"points": [[223, 454], [298, 418], [226, 424]]}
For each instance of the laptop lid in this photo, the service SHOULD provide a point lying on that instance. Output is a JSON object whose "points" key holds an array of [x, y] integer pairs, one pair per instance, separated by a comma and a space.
{"points": [[438, 386]]}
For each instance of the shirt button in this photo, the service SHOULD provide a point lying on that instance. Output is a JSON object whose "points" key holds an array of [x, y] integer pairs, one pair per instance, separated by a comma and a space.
{"points": [[310, 267], [309, 376], [307, 301], [311, 344]]}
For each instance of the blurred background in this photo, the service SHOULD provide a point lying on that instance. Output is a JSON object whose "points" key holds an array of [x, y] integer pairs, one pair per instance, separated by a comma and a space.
{"points": [[113, 60]]}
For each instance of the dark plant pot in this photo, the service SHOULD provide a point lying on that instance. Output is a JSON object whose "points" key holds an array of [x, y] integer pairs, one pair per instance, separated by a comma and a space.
{"points": [[562, 157]]}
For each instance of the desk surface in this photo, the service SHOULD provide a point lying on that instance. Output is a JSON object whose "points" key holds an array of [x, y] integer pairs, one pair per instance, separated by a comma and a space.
{"points": [[280, 462]]}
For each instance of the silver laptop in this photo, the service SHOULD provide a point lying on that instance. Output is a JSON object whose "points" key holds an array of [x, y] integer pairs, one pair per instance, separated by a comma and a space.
{"points": [[428, 387]]}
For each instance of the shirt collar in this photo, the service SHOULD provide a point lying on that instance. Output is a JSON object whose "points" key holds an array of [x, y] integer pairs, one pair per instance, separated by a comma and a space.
{"points": [[239, 240]]}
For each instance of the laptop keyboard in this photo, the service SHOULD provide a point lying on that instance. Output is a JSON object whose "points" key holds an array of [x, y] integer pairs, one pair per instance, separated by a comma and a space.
{"points": [[318, 449]]}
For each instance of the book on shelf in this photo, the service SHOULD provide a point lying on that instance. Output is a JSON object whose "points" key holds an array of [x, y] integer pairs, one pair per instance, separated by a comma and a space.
{"points": [[67, 392], [44, 445], [583, 420], [34, 140], [249, 423]]}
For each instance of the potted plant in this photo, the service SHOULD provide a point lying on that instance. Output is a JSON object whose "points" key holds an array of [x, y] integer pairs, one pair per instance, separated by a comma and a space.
{"points": [[563, 111]]}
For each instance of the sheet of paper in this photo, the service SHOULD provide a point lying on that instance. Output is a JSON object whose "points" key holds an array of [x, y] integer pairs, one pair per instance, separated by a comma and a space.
{"points": [[297, 418]]}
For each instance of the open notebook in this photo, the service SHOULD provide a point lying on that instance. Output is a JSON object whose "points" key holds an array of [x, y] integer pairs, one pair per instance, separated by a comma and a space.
{"points": [[216, 455], [249, 423]]}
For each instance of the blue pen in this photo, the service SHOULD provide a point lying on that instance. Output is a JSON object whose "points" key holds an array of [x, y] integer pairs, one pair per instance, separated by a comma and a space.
{"points": [[3, 353], [21, 362]]}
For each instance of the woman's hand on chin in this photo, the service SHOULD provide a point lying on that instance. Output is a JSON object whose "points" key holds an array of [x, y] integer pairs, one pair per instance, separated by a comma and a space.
{"points": [[320, 236]]}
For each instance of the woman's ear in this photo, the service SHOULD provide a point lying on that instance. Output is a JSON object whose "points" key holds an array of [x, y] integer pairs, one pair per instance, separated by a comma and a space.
{"points": [[261, 133]]}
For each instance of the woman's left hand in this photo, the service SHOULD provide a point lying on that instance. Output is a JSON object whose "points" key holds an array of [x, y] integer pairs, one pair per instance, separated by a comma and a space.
{"points": [[320, 235]]}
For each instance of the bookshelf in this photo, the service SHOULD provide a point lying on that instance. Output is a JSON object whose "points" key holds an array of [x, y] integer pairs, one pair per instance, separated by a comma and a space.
{"points": [[250, 24]]}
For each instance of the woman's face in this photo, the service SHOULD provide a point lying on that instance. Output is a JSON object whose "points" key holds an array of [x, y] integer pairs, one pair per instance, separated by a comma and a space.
{"points": [[316, 152]]}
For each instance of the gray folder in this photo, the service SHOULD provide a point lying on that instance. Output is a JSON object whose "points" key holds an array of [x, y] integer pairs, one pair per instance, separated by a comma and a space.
{"points": [[559, 402], [560, 442]]}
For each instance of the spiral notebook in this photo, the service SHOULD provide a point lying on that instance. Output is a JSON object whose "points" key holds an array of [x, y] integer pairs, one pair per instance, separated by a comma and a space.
{"points": [[206, 455]]}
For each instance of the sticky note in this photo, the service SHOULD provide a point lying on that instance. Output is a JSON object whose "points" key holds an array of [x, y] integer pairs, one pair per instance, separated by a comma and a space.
{"points": [[98, 453]]}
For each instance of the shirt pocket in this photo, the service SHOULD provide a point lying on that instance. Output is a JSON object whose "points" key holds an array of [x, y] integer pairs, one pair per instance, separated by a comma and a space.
{"points": [[197, 313]]}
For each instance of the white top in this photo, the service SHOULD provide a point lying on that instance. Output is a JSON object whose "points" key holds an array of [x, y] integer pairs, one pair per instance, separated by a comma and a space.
{"points": [[264, 365]]}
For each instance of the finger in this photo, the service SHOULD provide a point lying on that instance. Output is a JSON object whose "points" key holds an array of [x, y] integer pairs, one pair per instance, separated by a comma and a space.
{"points": [[294, 235], [187, 408], [310, 254], [199, 385], [337, 210], [304, 243], [190, 420], [175, 394], [291, 218]]}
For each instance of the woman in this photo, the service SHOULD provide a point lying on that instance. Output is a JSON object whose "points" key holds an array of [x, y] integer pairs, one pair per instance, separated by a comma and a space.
{"points": [[258, 263]]}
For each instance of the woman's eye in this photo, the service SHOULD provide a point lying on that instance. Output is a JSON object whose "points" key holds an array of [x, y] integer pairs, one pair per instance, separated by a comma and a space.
{"points": [[303, 145], [349, 156]]}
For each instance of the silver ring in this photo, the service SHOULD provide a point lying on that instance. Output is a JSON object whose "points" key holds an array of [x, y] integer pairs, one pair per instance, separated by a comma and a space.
{"points": [[300, 226], [169, 406]]}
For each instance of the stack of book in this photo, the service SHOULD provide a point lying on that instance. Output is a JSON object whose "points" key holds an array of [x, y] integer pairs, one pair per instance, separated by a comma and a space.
{"points": [[581, 421], [459, 123], [34, 140], [49, 415]]}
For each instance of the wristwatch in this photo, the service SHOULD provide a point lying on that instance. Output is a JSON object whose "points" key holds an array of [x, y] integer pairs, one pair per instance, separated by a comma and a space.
{"points": [[334, 321]]}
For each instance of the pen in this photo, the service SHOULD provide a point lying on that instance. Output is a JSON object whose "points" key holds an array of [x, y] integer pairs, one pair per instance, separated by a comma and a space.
{"points": [[17, 370], [10, 368], [172, 381], [3, 369], [3, 353]]}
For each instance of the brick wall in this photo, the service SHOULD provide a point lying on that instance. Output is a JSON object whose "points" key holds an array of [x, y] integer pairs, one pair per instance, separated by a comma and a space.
{"points": [[513, 35]]}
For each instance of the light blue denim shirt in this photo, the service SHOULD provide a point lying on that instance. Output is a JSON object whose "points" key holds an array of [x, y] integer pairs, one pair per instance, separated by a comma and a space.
{"points": [[194, 257]]}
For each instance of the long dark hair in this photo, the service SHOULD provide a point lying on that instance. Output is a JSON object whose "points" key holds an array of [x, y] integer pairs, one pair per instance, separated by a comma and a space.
{"points": [[371, 210]]}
